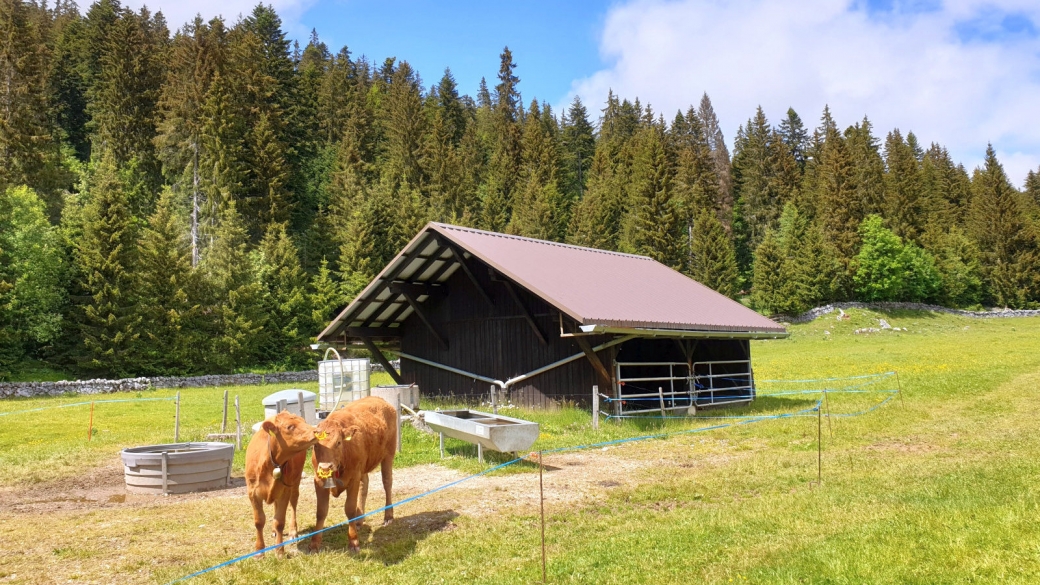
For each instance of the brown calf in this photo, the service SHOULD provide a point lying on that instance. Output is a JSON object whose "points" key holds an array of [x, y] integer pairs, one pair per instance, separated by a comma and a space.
{"points": [[281, 444], [358, 438]]}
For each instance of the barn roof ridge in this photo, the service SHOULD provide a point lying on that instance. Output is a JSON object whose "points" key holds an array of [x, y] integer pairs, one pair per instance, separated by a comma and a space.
{"points": [[460, 228]]}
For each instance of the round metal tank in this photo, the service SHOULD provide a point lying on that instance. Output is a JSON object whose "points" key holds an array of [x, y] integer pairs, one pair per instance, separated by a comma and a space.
{"points": [[177, 468]]}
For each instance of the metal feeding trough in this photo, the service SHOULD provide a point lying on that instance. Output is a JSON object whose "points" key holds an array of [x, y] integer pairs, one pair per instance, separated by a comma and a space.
{"points": [[177, 468], [490, 431]]}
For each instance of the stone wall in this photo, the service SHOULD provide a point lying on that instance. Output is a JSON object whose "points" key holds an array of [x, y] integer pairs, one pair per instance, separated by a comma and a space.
{"points": [[812, 314], [27, 389]]}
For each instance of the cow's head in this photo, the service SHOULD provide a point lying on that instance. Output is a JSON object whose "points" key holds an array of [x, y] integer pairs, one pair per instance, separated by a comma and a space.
{"points": [[290, 432], [328, 451]]}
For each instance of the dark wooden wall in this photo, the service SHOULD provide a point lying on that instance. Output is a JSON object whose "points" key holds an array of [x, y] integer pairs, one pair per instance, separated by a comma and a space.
{"points": [[497, 342]]}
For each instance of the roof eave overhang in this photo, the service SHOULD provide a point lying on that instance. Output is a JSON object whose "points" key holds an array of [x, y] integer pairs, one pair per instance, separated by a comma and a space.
{"points": [[682, 333]]}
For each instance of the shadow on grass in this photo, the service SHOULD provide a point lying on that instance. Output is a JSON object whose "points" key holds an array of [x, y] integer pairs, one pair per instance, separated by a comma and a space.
{"points": [[394, 543]]}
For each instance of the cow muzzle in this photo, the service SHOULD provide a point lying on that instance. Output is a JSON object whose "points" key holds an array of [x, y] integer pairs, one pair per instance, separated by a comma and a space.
{"points": [[325, 471]]}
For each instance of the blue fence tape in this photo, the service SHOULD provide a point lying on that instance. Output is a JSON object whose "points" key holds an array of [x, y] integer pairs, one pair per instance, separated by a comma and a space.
{"points": [[744, 420]]}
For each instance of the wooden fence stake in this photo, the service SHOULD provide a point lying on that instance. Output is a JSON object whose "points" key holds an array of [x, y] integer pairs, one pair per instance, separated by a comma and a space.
{"points": [[541, 499], [494, 399], [177, 421], [238, 424], [595, 408], [223, 424], [660, 396]]}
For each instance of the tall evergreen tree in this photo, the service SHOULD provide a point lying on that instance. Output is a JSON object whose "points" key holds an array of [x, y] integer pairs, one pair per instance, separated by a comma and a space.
{"points": [[712, 260], [287, 305], [902, 206], [578, 141], [720, 155], [174, 334], [1006, 238], [653, 225], [109, 323]]}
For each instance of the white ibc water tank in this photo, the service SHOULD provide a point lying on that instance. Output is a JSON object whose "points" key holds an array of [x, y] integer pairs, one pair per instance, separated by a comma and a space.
{"points": [[343, 381]]}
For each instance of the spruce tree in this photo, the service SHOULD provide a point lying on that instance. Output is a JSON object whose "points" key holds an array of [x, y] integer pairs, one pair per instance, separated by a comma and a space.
{"points": [[540, 209], [767, 292], [578, 141], [795, 137], [287, 304], [108, 323], [720, 156], [653, 225], [325, 299], [173, 335], [596, 220], [238, 298], [903, 209], [712, 260], [1005, 236]]}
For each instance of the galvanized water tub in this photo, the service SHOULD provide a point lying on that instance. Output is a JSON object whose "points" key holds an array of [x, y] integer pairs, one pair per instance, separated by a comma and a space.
{"points": [[487, 431], [177, 468]]}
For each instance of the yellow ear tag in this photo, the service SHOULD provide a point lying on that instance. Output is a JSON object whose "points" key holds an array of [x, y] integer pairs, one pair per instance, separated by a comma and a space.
{"points": [[321, 435], [271, 432], [350, 437]]}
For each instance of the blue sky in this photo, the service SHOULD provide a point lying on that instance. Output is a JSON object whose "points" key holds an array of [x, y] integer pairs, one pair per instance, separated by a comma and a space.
{"points": [[962, 73]]}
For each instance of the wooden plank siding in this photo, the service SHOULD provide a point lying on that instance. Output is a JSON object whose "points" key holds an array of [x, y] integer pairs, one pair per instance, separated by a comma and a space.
{"points": [[496, 341]]}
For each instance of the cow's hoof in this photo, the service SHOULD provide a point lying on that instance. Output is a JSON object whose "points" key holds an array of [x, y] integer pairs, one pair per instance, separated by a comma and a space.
{"points": [[355, 548], [388, 521]]}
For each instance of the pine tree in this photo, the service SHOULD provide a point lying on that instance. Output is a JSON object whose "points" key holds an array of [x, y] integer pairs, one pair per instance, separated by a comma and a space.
{"points": [[720, 157], [596, 220], [653, 225], [837, 210], [712, 260], [173, 333], [68, 78], [238, 298], [107, 257], [767, 291], [1005, 236], [578, 141], [868, 169], [795, 137], [540, 209], [497, 192]]}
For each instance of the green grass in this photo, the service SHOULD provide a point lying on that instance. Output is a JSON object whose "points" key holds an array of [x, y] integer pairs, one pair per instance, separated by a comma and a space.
{"points": [[941, 488]]}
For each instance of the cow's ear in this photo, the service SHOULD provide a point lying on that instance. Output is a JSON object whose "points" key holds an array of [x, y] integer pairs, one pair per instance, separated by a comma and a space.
{"points": [[351, 432], [269, 426]]}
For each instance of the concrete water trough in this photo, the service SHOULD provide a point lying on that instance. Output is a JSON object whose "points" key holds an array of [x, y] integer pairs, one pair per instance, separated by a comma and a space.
{"points": [[487, 431], [177, 468]]}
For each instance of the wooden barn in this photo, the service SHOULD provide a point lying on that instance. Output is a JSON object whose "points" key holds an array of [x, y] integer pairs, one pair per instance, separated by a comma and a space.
{"points": [[544, 322]]}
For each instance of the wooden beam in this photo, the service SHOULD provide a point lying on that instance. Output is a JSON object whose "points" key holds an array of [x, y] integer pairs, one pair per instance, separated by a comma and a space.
{"points": [[594, 359], [418, 289], [426, 320], [523, 310], [461, 259], [394, 274], [379, 357], [371, 332]]}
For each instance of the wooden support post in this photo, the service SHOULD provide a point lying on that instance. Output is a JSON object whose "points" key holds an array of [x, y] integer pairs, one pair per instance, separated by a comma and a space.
{"points": [[660, 397], [595, 408], [299, 404], [418, 309], [176, 426], [378, 355], [442, 444], [223, 423], [593, 358], [524, 312], [494, 399], [238, 425], [397, 409], [480, 453]]}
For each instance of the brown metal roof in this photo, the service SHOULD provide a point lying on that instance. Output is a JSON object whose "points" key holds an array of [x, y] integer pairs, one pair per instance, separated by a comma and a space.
{"points": [[592, 287]]}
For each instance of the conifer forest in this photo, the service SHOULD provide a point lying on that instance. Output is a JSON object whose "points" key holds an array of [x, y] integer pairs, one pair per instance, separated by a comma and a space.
{"points": [[203, 200]]}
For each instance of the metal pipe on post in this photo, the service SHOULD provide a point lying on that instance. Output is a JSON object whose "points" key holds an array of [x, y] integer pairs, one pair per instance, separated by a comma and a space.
{"points": [[176, 423], [223, 423], [595, 407], [238, 425]]}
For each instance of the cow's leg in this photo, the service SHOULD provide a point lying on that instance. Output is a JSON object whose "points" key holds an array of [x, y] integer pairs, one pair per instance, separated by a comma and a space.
{"points": [[323, 512], [294, 497], [259, 519], [387, 470], [350, 507], [280, 506], [362, 497]]}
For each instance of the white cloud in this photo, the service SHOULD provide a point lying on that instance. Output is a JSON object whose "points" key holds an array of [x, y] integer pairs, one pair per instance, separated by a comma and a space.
{"points": [[179, 12], [904, 69]]}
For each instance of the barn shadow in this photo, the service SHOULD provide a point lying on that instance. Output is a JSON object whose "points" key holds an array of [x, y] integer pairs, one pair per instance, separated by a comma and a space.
{"points": [[392, 544]]}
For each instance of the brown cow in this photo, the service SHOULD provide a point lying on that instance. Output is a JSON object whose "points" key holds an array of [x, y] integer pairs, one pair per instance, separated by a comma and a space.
{"points": [[274, 464], [358, 438]]}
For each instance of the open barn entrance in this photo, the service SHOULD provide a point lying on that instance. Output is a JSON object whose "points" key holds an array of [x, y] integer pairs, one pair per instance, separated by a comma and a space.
{"points": [[678, 376]]}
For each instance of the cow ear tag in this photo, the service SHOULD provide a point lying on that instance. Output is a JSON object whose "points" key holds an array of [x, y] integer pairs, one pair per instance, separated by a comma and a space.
{"points": [[321, 435], [350, 437]]}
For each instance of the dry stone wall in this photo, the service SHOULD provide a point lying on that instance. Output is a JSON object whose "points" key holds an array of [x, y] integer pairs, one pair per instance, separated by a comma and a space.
{"points": [[29, 389], [812, 314]]}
